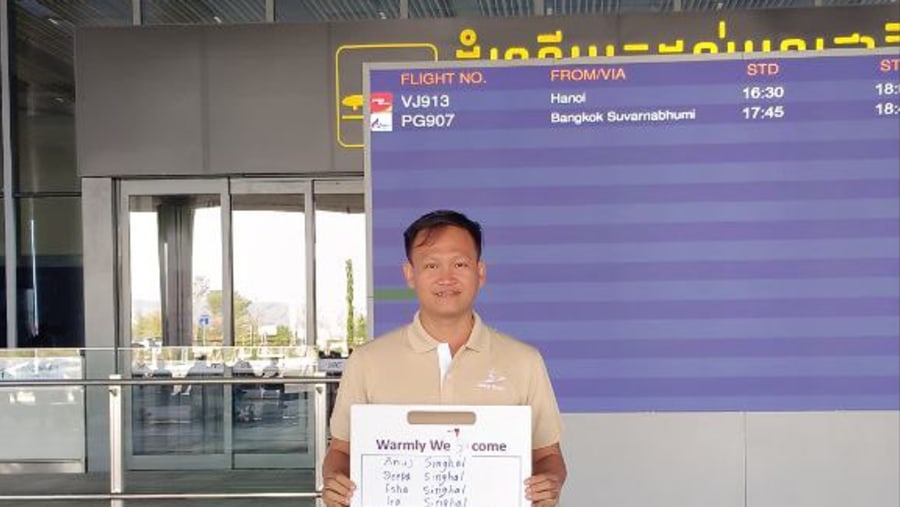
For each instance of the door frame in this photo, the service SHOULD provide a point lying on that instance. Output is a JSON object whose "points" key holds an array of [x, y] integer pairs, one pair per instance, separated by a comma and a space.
{"points": [[123, 190], [127, 189], [280, 186]]}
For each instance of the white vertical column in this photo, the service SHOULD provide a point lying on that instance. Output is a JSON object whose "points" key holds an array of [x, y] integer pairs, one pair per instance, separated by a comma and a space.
{"points": [[116, 468], [136, 19], [321, 411]]}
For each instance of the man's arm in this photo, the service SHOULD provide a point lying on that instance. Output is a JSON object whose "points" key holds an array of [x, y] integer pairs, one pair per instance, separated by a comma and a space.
{"points": [[548, 475], [338, 488], [336, 467]]}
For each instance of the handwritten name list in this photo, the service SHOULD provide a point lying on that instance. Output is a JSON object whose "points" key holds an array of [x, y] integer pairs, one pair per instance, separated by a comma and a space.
{"points": [[450, 475]]}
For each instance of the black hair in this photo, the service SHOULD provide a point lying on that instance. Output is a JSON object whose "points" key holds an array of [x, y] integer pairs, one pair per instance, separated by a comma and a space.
{"points": [[439, 219]]}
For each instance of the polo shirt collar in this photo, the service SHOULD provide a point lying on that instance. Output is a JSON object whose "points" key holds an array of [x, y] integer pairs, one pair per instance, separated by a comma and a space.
{"points": [[421, 341]]}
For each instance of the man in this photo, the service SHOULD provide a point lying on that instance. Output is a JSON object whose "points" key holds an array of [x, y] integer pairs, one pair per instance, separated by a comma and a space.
{"points": [[447, 356]]}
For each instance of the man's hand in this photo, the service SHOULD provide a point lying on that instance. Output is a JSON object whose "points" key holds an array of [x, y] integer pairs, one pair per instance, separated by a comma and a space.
{"points": [[338, 490], [543, 490], [549, 469]]}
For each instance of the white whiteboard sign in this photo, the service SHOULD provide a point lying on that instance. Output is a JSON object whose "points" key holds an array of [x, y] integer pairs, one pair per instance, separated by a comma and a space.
{"points": [[440, 455]]}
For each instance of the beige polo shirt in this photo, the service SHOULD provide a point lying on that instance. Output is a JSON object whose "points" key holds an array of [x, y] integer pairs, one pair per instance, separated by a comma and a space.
{"points": [[402, 367]]}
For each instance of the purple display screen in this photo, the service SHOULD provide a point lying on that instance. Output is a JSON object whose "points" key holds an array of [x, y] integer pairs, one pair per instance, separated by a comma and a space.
{"points": [[700, 235]]}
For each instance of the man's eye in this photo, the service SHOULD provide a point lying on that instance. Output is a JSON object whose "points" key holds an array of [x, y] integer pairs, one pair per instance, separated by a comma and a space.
{"points": [[462, 264], [430, 265]]}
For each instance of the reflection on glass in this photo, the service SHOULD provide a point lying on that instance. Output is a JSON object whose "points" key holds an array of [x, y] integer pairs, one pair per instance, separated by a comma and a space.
{"points": [[194, 12], [2, 274], [341, 310], [569, 7], [469, 8], [41, 364], [176, 270], [268, 238], [177, 419], [187, 419], [43, 423], [719, 5], [2, 175], [272, 418], [50, 273], [45, 85]]}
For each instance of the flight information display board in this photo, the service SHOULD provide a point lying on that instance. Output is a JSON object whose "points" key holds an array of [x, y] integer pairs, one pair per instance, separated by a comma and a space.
{"points": [[710, 234]]}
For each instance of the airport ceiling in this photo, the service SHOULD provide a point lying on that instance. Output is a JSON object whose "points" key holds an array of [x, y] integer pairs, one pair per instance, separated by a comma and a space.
{"points": [[44, 28]]}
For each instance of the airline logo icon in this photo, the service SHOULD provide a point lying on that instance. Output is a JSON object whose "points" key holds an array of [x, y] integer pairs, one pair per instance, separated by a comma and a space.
{"points": [[381, 112]]}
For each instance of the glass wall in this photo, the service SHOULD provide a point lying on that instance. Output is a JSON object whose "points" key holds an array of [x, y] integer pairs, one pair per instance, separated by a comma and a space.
{"points": [[175, 255], [576, 7], [45, 184], [719, 5], [2, 273], [269, 264], [341, 310], [2, 233], [469, 8], [49, 276], [175, 281], [44, 86], [199, 12], [336, 10]]}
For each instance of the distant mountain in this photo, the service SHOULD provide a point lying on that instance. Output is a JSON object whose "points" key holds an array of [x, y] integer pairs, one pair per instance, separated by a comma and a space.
{"points": [[267, 312], [143, 306], [270, 313]]}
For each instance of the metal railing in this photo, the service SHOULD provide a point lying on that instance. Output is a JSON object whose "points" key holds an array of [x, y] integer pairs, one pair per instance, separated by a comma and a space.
{"points": [[114, 384]]}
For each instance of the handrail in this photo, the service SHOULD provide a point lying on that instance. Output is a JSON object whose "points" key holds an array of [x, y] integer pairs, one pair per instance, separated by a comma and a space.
{"points": [[114, 386], [207, 379]]}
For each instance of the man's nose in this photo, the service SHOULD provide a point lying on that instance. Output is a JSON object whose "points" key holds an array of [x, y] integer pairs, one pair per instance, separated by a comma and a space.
{"points": [[445, 275]]}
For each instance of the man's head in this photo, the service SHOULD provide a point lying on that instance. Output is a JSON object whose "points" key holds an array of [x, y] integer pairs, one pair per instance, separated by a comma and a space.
{"points": [[429, 223], [444, 267]]}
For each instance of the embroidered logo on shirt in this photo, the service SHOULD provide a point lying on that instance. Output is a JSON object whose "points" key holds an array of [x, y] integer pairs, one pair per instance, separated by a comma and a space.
{"points": [[493, 381]]}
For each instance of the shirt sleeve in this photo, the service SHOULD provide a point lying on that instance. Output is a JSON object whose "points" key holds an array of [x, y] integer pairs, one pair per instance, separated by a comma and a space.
{"points": [[351, 391], [546, 423]]}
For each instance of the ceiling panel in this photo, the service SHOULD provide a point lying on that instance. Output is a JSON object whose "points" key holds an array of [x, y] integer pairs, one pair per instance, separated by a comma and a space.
{"points": [[336, 10], [193, 12]]}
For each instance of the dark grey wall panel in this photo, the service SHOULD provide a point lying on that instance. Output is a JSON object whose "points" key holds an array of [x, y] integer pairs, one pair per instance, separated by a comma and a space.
{"points": [[203, 100], [266, 109], [285, 98], [139, 101]]}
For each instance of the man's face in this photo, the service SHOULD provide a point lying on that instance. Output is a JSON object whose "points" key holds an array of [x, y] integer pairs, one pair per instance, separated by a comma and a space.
{"points": [[445, 272]]}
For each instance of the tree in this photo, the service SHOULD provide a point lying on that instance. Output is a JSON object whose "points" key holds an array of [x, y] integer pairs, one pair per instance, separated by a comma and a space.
{"points": [[283, 337], [361, 333], [351, 322], [244, 323], [147, 325]]}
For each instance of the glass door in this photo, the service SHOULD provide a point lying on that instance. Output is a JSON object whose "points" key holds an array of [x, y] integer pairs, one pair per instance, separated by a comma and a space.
{"points": [[216, 283], [271, 231], [176, 306]]}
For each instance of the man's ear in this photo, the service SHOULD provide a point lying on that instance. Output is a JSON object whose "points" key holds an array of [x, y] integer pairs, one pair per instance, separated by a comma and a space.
{"points": [[408, 274], [482, 273]]}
